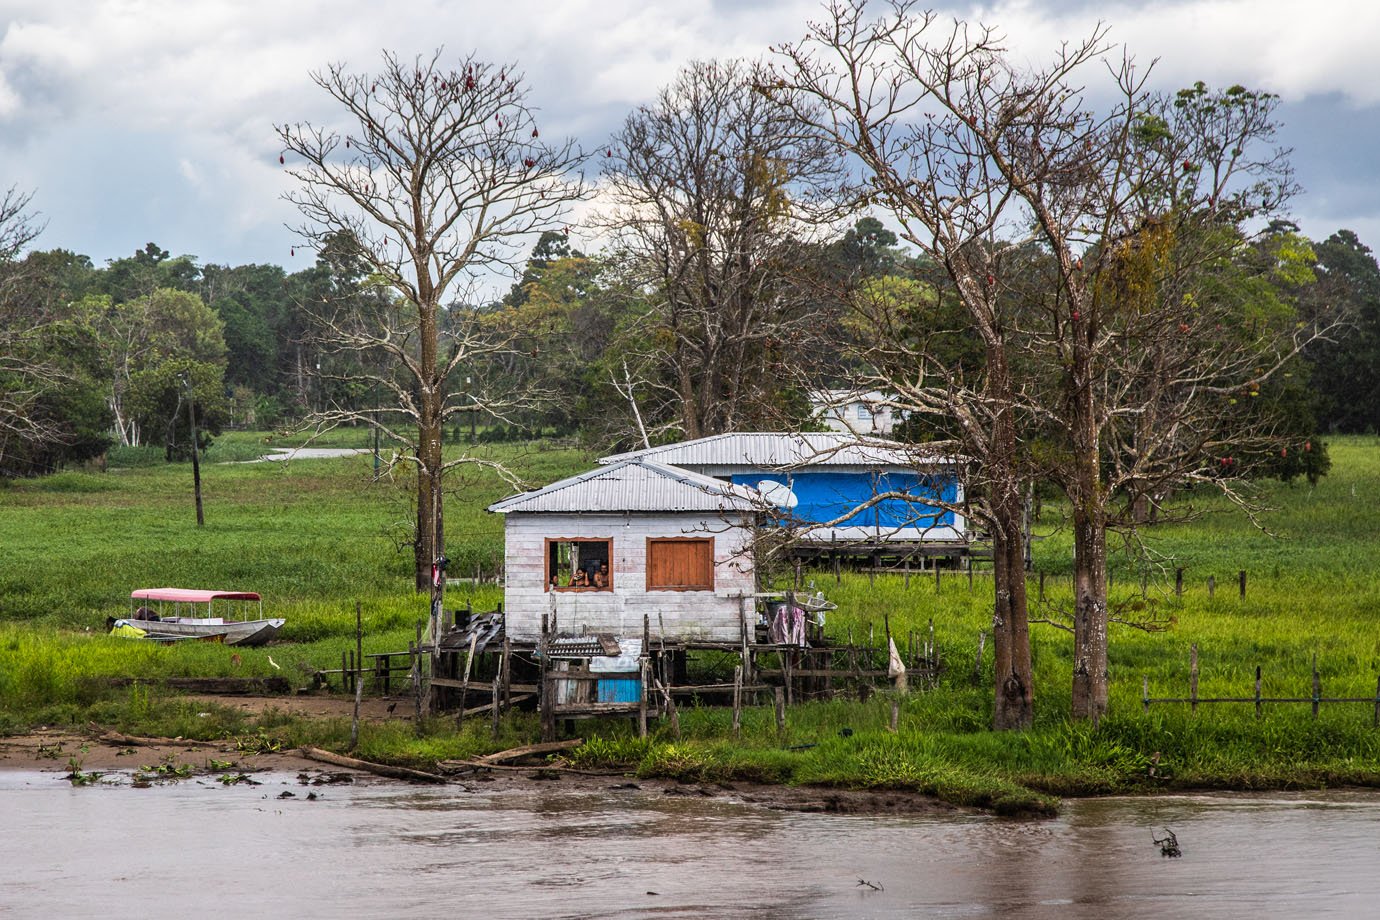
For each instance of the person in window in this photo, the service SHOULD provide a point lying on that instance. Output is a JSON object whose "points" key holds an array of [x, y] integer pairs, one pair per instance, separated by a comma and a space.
{"points": [[601, 577], [580, 579], [555, 579]]}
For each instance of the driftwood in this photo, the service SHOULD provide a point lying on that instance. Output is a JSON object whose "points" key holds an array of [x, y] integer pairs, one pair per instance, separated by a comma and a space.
{"points": [[471, 766], [529, 750], [122, 740], [379, 769], [503, 759]]}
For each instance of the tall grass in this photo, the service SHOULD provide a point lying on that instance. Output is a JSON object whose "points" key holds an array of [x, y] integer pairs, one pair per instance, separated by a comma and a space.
{"points": [[315, 537]]}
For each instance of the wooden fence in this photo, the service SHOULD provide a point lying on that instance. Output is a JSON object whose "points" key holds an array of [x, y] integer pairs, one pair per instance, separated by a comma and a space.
{"points": [[1316, 698]]}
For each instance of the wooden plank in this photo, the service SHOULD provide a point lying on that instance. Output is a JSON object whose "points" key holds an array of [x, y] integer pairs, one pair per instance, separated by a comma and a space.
{"points": [[575, 710], [474, 711], [822, 672]]}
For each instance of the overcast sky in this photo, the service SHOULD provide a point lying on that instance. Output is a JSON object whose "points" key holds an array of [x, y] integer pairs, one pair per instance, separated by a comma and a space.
{"points": [[152, 120]]}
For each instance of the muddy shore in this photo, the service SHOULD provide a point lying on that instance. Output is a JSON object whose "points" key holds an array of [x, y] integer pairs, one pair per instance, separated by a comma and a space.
{"points": [[54, 751]]}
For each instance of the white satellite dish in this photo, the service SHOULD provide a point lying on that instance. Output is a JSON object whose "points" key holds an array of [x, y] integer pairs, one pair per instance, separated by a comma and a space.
{"points": [[778, 493]]}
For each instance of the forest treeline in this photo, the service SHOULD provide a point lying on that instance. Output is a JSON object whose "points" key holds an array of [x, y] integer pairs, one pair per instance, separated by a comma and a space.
{"points": [[105, 356]]}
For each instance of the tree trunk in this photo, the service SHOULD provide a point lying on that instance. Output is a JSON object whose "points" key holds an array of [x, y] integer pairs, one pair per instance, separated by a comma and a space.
{"points": [[1086, 494], [1090, 617], [1014, 706], [1140, 504], [430, 543]]}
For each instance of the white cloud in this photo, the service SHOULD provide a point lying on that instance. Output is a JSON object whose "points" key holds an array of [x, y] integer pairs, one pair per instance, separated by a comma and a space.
{"points": [[1323, 47], [205, 80]]}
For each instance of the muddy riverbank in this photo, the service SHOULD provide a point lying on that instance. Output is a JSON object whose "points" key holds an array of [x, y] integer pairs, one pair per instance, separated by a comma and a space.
{"points": [[56, 753]]}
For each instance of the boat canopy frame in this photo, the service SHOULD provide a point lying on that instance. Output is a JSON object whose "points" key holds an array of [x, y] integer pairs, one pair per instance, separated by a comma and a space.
{"points": [[193, 596]]}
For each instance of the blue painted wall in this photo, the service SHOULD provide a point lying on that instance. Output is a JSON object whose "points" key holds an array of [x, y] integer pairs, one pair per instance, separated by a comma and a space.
{"points": [[823, 496]]}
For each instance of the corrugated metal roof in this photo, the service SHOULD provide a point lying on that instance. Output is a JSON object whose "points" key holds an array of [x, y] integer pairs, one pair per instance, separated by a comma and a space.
{"points": [[785, 450], [635, 485]]}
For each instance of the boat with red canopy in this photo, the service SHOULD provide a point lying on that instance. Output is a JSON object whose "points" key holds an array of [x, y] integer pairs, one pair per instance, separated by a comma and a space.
{"points": [[188, 613]]}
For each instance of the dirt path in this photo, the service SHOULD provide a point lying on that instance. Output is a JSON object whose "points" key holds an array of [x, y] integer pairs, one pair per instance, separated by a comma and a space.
{"points": [[315, 705]]}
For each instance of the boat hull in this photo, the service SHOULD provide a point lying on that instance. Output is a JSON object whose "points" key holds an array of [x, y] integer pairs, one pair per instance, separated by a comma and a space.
{"points": [[233, 632]]}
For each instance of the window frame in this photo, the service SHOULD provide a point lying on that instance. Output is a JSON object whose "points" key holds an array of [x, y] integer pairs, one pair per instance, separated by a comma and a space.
{"points": [[576, 589], [651, 541]]}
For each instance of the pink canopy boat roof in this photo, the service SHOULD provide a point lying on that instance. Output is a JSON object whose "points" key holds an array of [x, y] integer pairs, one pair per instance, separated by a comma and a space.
{"points": [[191, 595]]}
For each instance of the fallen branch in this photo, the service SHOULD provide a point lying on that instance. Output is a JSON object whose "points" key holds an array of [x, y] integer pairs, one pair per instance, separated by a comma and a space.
{"points": [[121, 740], [529, 750], [379, 769], [470, 766]]}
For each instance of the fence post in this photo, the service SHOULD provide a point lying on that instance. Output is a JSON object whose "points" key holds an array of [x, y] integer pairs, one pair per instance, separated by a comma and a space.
{"points": [[1193, 678], [1145, 693], [1241, 576], [1042, 587], [1317, 686], [936, 576], [1179, 582], [907, 573], [1257, 691], [780, 711], [932, 659], [1212, 586], [359, 645]]}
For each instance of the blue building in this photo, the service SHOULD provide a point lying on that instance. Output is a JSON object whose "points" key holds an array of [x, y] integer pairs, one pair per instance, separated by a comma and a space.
{"points": [[834, 488]]}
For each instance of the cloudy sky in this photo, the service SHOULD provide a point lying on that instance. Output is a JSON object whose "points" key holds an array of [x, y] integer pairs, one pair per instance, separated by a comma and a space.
{"points": [[152, 120]]}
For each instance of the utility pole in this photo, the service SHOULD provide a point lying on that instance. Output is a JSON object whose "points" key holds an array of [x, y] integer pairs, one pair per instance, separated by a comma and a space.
{"points": [[196, 462]]}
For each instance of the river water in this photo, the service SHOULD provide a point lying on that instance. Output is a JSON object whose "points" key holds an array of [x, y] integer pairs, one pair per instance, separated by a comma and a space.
{"points": [[196, 848]]}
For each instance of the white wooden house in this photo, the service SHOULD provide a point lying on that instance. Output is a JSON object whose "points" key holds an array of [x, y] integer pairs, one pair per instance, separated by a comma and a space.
{"points": [[650, 539]]}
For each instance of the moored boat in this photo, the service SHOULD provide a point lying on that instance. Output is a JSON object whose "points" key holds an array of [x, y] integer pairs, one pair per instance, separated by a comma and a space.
{"points": [[186, 613]]}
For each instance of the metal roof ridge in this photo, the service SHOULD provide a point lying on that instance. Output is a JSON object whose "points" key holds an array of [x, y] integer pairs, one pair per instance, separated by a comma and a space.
{"points": [[815, 441], [707, 484]]}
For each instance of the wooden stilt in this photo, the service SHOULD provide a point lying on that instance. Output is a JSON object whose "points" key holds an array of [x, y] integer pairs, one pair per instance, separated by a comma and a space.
{"points": [[506, 666], [465, 683], [737, 702], [646, 674], [494, 705], [546, 684]]}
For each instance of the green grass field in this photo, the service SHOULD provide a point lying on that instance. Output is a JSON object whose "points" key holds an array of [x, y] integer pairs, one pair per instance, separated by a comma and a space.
{"points": [[317, 537]]}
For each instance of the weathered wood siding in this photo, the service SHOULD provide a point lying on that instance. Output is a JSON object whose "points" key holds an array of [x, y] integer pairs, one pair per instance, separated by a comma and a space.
{"points": [[710, 615]]}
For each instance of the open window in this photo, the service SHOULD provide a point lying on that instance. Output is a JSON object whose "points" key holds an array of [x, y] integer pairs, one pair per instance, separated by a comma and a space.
{"points": [[680, 564], [579, 564]]}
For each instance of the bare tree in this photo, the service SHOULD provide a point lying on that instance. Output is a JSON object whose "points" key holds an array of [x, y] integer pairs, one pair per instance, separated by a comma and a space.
{"points": [[26, 374], [1150, 320], [1086, 248], [713, 190], [438, 179], [912, 108]]}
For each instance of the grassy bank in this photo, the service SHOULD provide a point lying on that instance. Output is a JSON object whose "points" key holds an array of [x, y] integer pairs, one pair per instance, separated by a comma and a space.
{"points": [[318, 536]]}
